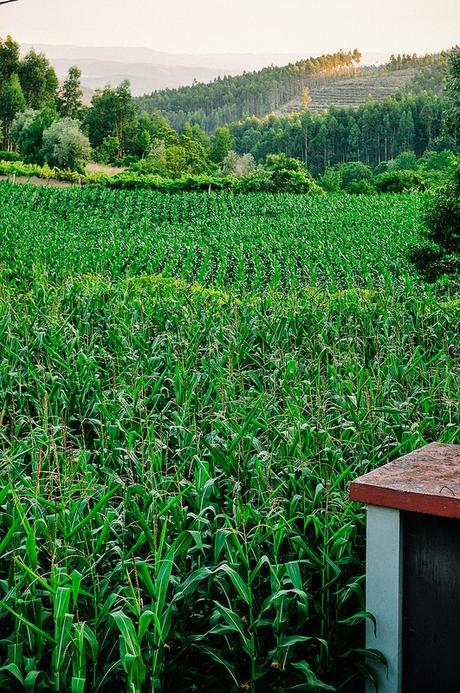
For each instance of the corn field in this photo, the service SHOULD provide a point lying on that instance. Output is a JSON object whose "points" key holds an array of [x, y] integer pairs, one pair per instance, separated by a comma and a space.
{"points": [[188, 385]]}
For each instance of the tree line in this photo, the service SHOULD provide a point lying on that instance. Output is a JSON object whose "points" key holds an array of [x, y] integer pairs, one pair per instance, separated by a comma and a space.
{"points": [[375, 132]]}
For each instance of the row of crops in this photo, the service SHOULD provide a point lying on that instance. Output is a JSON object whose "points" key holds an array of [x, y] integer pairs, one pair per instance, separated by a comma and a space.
{"points": [[250, 243], [187, 386]]}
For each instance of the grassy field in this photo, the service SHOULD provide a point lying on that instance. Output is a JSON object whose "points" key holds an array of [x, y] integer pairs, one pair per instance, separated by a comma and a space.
{"points": [[188, 385]]}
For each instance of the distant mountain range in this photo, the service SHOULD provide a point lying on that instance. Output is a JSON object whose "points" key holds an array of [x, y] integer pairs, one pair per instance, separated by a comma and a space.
{"points": [[148, 70]]}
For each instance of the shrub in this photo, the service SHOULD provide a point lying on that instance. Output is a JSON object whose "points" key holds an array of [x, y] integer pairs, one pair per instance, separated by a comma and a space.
{"points": [[127, 161], [354, 171], [290, 175], [108, 151], [406, 161], [382, 167], [440, 252], [360, 187], [9, 156], [399, 181], [238, 166], [65, 145], [258, 181], [27, 132], [331, 180]]}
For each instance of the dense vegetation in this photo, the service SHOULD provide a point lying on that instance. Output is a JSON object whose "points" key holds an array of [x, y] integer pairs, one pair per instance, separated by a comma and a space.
{"points": [[440, 254], [227, 99], [47, 123], [229, 242], [188, 384], [372, 133]]}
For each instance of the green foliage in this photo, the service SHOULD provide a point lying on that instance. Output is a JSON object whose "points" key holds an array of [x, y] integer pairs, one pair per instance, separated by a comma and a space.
{"points": [[38, 81], [442, 142], [430, 77], [12, 101], [70, 94], [440, 253], [453, 89], [189, 385], [229, 99], [238, 166], [354, 172], [27, 132], [353, 177], [289, 175], [374, 132], [405, 161], [144, 142], [437, 161], [9, 156], [399, 181], [109, 150], [331, 180], [292, 239], [132, 180], [112, 114], [259, 180], [19, 168], [402, 61], [9, 58], [222, 143], [184, 157], [360, 187], [65, 146]]}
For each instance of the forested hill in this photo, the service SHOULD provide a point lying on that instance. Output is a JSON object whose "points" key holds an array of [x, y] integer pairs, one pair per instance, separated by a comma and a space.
{"points": [[227, 99], [333, 79]]}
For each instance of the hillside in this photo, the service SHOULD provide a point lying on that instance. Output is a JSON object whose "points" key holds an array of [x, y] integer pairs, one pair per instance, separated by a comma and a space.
{"points": [[350, 91], [335, 79], [253, 93]]}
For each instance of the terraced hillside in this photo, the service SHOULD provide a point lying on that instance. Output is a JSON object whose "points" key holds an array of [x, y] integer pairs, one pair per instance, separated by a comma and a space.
{"points": [[349, 91]]}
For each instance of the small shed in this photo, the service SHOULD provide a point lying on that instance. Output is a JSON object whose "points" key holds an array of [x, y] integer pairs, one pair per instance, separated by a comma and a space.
{"points": [[413, 569]]}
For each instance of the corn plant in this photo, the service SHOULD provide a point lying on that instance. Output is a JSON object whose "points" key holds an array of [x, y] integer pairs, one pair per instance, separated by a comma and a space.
{"points": [[187, 386]]}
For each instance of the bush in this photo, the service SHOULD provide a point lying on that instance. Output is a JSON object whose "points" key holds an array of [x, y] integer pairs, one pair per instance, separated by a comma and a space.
{"points": [[440, 252], [27, 132], [382, 167], [9, 156], [129, 180], [290, 175], [108, 151], [437, 161], [258, 181], [360, 187], [19, 168], [354, 171], [238, 166], [399, 181], [331, 180], [406, 161], [65, 145], [127, 161]]}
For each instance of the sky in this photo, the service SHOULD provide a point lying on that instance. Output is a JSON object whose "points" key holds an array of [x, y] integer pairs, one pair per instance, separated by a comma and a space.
{"points": [[238, 26]]}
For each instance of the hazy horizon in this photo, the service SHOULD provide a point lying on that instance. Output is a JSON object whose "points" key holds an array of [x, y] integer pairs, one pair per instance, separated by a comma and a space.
{"points": [[261, 27]]}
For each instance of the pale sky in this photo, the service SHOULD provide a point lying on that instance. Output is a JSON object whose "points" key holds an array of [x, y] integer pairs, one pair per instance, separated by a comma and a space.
{"points": [[236, 26]]}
